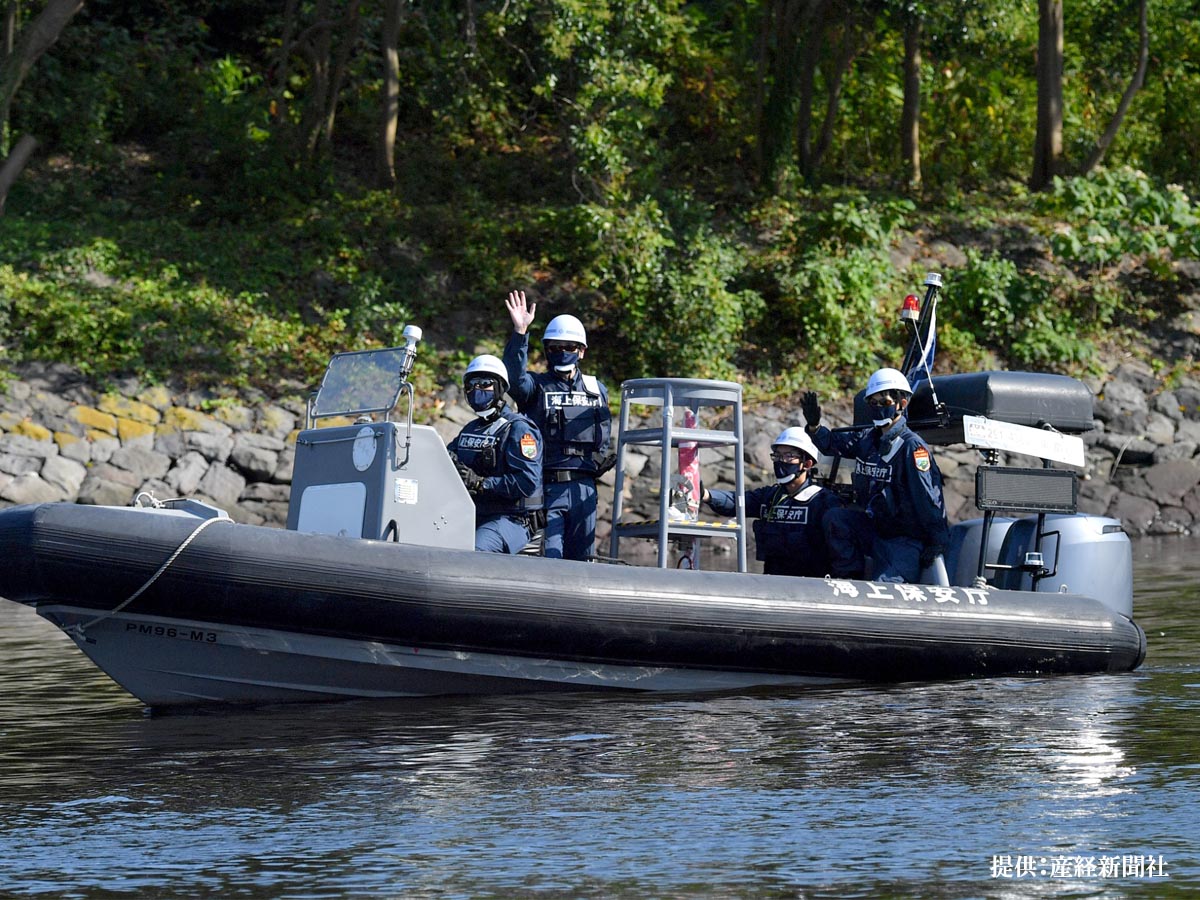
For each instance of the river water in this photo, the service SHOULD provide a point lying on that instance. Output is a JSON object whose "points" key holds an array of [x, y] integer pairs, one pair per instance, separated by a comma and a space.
{"points": [[1044, 787]]}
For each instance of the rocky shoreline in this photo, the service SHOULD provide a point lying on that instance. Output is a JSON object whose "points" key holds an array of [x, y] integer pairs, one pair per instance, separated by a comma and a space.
{"points": [[62, 440]]}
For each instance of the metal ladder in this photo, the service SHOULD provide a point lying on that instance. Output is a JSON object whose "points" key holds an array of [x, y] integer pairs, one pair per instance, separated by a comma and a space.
{"points": [[669, 394]]}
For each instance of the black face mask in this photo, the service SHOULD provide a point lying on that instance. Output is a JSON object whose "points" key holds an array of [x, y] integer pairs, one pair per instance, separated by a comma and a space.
{"points": [[786, 471], [481, 399], [882, 416], [562, 360]]}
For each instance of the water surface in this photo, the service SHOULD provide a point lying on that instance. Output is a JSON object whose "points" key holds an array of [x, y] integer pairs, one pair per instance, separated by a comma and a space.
{"points": [[933, 790]]}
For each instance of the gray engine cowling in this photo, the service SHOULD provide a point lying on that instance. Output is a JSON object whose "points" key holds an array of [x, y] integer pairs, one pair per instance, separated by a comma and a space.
{"points": [[1089, 555]]}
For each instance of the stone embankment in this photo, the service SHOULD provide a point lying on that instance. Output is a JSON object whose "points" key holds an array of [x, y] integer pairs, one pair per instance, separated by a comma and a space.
{"points": [[61, 440]]}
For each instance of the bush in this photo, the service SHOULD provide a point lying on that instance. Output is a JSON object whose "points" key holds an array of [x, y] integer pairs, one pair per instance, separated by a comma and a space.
{"points": [[1116, 213], [983, 295], [666, 302], [823, 275], [1024, 318]]}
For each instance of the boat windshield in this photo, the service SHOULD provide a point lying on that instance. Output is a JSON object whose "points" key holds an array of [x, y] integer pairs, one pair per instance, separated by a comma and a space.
{"points": [[363, 381]]}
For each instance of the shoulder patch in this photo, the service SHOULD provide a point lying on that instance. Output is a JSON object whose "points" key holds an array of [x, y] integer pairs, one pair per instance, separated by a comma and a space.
{"points": [[921, 459], [529, 446]]}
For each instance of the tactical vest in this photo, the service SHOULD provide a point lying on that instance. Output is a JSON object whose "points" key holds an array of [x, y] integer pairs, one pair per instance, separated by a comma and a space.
{"points": [[574, 421], [781, 528], [483, 452], [875, 482]]}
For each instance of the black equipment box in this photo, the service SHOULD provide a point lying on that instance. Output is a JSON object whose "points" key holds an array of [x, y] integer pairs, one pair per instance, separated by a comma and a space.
{"points": [[1026, 490], [1019, 398]]}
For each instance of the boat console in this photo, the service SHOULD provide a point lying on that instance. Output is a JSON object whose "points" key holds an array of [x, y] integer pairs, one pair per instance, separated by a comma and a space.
{"points": [[376, 478]]}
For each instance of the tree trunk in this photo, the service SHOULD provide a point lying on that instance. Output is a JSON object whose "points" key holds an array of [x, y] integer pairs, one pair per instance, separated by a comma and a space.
{"points": [[392, 19], [797, 29], [777, 116], [470, 36], [848, 49], [283, 68], [12, 166], [23, 49], [1047, 144], [762, 65], [316, 45], [352, 30], [31, 42], [326, 46], [11, 15], [811, 37], [11, 10], [910, 114], [1135, 85]]}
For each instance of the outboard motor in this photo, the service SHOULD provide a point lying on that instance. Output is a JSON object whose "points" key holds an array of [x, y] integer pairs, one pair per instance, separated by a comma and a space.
{"points": [[962, 556], [1080, 554], [1032, 414], [376, 479]]}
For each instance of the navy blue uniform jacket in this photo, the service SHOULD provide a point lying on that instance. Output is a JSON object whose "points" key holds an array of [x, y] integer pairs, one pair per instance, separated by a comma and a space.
{"points": [[507, 452], [572, 416], [895, 480]]}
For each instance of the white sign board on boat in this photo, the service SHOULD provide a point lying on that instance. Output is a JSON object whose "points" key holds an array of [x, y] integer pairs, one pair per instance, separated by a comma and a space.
{"points": [[1052, 445]]}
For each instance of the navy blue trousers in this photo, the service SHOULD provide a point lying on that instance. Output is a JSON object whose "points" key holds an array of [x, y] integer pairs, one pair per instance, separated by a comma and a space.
{"points": [[851, 536], [570, 519], [501, 534]]}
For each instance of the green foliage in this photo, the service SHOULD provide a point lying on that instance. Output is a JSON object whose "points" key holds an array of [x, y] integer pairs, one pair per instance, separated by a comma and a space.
{"points": [[602, 151], [864, 222], [610, 84], [1021, 317], [1050, 341], [1115, 213], [667, 302], [144, 325], [823, 278], [834, 302], [112, 305], [1161, 136], [983, 295]]}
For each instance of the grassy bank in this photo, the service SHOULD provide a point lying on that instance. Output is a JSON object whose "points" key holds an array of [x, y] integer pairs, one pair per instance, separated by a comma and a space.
{"points": [[131, 269]]}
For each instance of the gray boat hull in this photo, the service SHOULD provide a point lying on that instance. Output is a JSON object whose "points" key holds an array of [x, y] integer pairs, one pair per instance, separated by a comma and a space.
{"points": [[250, 615]]}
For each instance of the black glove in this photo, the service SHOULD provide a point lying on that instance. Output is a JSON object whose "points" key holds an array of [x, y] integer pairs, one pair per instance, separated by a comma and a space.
{"points": [[811, 408], [471, 479], [929, 553], [605, 464]]}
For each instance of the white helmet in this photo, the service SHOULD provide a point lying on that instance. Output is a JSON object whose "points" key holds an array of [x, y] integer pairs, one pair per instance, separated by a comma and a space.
{"points": [[565, 328], [795, 437], [490, 365], [886, 380]]}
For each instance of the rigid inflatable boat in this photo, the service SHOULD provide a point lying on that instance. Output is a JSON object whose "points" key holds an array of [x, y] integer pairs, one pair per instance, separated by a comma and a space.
{"points": [[374, 590]]}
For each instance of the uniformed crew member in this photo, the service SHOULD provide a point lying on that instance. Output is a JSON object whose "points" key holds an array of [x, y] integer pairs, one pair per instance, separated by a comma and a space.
{"points": [[571, 409], [788, 535], [499, 456], [900, 521]]}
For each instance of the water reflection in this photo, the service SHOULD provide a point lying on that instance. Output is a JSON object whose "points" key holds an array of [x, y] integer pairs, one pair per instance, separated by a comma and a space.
{"points": [[1064, 731], [851, 790]]}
